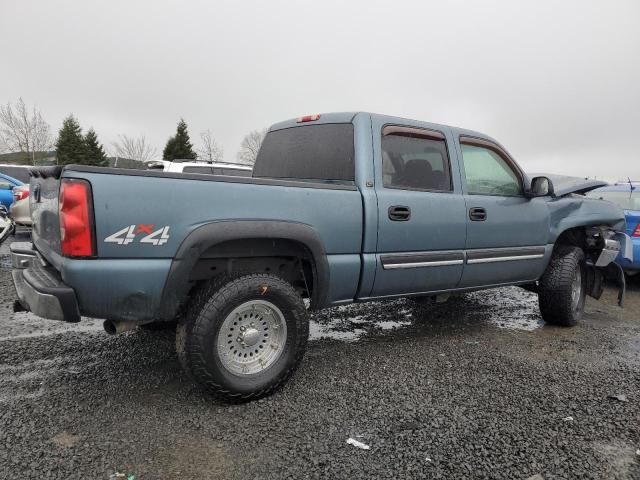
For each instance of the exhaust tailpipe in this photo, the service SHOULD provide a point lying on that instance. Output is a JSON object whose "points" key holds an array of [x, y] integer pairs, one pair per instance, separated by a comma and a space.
{"points": [[113, 327]]}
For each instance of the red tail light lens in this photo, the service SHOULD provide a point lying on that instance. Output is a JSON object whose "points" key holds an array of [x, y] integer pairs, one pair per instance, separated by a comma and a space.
{"points": [[20, 194], [76, 219], [636, 232]]}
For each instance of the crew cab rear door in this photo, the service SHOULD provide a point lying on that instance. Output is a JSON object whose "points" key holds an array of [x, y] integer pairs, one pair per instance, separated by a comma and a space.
{"points": [[507, 232], [421, 210]]}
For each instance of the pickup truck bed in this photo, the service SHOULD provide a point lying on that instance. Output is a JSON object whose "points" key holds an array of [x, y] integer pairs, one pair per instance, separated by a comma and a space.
{"points": [[341, 208]]}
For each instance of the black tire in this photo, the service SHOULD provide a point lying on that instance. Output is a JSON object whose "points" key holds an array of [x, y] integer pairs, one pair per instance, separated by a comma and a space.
{"points": [[560, 303], [197, 335]]}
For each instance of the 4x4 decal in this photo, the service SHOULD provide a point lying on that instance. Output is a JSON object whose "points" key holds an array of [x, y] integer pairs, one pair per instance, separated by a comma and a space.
{"points": [[129, 234]]}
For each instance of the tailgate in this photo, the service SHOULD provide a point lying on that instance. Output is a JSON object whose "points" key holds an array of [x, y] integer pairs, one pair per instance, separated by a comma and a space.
{"points": [[43, 202]]}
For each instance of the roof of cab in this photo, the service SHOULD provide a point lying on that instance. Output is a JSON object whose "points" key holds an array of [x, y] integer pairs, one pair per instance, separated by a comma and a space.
{"points": [[347, 117]]}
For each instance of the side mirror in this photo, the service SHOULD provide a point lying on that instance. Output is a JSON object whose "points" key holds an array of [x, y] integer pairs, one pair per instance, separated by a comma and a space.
{"points": [[541, 187]]}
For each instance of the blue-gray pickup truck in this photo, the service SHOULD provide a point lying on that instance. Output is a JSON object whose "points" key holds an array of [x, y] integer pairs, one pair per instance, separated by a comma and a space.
{"points": [[341, 208]]}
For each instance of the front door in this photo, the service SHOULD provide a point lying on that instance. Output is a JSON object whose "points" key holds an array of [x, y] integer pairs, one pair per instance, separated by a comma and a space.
{"points": [[421, 213], [507, 232]]}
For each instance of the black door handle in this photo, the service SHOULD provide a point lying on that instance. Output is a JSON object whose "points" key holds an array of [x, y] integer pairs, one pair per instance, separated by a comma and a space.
{"points": [[477, 214], [399, 213]]}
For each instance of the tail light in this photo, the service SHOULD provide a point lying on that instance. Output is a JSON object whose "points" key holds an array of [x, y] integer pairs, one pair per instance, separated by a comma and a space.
{"points": [[636, 232], [20, 194], [76, 219]]}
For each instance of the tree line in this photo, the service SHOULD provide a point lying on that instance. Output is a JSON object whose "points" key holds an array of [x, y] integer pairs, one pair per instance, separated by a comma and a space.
{"points": [[24, 130]]}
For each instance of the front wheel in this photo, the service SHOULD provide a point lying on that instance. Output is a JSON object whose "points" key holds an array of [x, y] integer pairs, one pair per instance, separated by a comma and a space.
{"points": [[242, 339], [563, 286]]}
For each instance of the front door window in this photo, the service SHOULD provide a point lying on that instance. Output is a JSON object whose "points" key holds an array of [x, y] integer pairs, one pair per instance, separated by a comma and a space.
{"points": [[488, 173]]}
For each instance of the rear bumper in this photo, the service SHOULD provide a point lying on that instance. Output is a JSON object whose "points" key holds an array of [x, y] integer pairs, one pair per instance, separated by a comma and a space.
{"points": [[39, 287]]}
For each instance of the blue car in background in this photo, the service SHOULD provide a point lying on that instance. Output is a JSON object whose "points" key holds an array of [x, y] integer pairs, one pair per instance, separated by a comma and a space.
{"points": [[7, 184], [627, 196]]}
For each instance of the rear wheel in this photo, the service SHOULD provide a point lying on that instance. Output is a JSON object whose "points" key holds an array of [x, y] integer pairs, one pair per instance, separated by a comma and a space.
{"points": [[562, 289], [242, 339]]}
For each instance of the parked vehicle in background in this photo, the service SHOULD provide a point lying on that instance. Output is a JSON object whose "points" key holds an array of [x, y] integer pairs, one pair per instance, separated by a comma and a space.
{"points": [[216, 168], [627, 196], [7, 184], [19, 172], [20, 211], [341, 208], [6, 224]]}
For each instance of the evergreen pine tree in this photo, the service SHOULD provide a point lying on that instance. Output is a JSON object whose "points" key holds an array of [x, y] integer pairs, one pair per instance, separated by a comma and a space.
{"points": [[94, 150], [167, 153], [179, 146], [70, 146]]}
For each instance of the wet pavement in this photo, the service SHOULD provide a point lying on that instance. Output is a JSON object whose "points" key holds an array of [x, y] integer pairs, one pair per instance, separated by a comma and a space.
{"points": [[475, 387]]}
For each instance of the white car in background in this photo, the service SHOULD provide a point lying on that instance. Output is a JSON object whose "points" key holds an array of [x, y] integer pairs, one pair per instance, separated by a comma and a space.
{"points": [[20, 210], [216, 168]]}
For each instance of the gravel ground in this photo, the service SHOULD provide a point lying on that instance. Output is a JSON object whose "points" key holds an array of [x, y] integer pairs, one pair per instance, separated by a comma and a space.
{"points": [[477, 387]]}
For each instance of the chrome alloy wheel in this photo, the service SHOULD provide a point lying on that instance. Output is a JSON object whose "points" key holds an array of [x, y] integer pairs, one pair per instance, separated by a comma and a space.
{"points": [[576, 288], [252, 337]]}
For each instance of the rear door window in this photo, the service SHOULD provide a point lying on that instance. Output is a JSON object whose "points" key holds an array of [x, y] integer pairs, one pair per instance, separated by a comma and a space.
{"points": [[414, 158], [311, 152]]}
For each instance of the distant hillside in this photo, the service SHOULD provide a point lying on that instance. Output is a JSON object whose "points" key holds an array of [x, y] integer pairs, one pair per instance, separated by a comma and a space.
{"points": [[26, 158]]}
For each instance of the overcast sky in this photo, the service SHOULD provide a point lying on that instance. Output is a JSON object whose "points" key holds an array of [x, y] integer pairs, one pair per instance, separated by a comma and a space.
{"points": [[557, 82]]}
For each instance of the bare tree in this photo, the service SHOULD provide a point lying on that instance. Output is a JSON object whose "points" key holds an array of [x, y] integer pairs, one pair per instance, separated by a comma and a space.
{"points": [[135, 148], [210, 151], [23, 129], [250, 146]]}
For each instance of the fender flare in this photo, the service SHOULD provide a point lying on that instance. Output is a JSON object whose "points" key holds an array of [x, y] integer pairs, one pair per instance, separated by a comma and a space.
{"points": [[208, 235]]}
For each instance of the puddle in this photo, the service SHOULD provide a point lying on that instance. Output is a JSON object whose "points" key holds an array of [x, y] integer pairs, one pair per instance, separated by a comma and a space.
{"points": [[507, 308], [353, 322], [510, 307]]}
